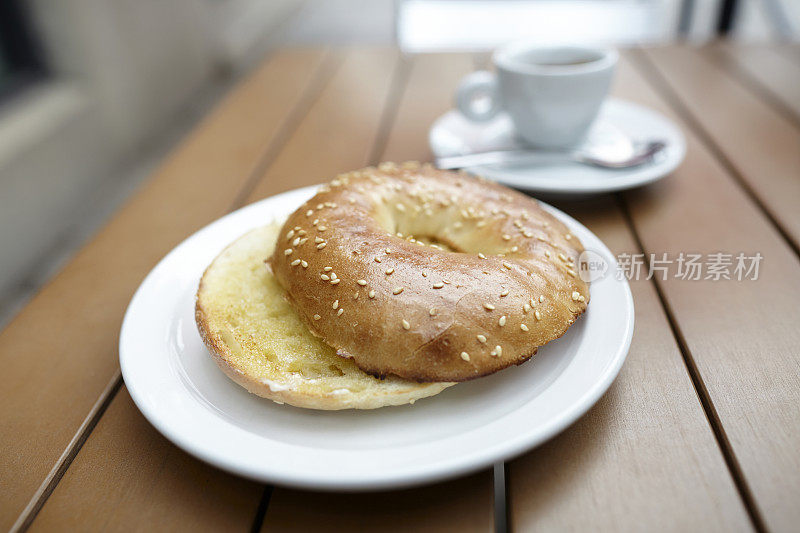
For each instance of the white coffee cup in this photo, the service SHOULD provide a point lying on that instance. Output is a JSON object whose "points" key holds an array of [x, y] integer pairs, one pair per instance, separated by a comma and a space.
{"points": [[552, 94]]}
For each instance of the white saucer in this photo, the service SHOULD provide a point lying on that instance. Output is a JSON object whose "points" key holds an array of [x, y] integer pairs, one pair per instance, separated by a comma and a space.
{"points": [[453, 134], [180, 390]]}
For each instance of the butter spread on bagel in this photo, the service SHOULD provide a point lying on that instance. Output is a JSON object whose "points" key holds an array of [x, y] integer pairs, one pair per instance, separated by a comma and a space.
{"points": [[429, 275]]}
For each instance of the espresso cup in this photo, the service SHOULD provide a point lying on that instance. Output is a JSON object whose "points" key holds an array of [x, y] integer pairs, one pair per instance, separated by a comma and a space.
{"points": [[552, 94]]}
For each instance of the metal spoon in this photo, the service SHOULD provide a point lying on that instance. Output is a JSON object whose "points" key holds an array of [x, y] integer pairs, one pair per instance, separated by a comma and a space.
{"points": [[595, 155]]}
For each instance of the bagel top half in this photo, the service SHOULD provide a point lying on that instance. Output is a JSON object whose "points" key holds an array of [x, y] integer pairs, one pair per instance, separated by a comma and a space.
{"points": [[429, 275]]}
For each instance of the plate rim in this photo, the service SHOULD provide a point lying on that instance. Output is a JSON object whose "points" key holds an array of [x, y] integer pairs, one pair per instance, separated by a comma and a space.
{"points": [[635, 178], [524, 441]]}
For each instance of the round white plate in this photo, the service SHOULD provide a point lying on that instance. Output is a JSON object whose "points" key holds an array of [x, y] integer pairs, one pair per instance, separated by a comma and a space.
{"points": [[180, 390], [452, 134]]}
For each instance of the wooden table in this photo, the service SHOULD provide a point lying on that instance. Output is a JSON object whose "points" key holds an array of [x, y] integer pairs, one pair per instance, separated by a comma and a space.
{"points": [[701, 431]]}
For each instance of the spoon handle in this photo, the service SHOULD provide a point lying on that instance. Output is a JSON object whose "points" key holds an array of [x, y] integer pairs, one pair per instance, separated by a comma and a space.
{"points": [[502, 157]]}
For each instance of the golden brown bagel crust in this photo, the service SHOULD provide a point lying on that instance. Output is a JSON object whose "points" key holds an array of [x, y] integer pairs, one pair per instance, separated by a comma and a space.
{"points": [[499, 281]]}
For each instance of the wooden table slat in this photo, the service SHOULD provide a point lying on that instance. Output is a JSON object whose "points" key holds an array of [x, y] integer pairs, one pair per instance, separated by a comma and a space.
{"points": [[644, 458], [170, 491], [742, 336], [60, 352], [761, 143], [772, 72]]}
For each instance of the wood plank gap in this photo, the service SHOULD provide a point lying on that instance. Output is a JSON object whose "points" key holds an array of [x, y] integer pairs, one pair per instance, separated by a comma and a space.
{"points": [[710, 411], [399, 83], [662, 86], [261, 511], [500, 502], [50, 482], [331, 63], [755, 86]]}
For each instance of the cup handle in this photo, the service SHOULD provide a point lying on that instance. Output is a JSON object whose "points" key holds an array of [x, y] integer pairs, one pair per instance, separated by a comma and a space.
{"points": [[477, 96]]}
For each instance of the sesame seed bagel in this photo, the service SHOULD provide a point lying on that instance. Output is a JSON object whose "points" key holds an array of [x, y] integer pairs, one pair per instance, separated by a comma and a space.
{"points": [[259, 342], [429, 275]]}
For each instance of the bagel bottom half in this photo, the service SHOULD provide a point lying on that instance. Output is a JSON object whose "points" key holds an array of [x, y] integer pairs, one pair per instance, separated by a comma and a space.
{"points": [[258, 340]]}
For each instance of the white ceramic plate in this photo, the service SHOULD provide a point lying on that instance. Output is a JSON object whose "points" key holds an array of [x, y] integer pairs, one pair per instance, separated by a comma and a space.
{"points": [[180, 390], [453, 134]]}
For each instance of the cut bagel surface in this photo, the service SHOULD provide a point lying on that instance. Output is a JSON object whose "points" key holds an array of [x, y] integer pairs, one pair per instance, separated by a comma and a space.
{"points": [[259, 341]]}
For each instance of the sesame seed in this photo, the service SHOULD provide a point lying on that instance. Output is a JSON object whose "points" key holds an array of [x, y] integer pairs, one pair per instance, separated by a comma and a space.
{"points": [[568, 236], [406, 325], [289, 234], [482, 338], [304, 263], [389, 271], [517, 224], [295, 262], [488, 307], [355, 296], [526, 308], [320, 206], [309, 212], [515, 248], [547, 253], [319, 240], [321, 245], [523, 327], [327, 269], [339, 312], [576, 296], [388, 251], [336, 304], [325, 277], [397, 290], [541, 298], [562, 257], [499, 350], [502, 321], [287, 251], [377, 259], [322, 228], [303, 241], [432, 311], [296, 241], [507, 265], [401, 207], [333, 275], [362, 282], [316, 221], [506, 237], [504, 293], [335, 281], [301, 232], [438, 285], [527, 234], [481, 255], [465, 356], [424, 274], [537, 314], [371, 294], [571, 272], [317, 317]]}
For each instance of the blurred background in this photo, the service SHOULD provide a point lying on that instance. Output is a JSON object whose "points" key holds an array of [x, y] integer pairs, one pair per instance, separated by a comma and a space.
{"points": [[94, 93]]}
